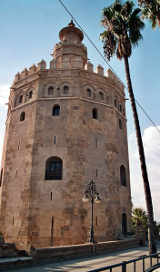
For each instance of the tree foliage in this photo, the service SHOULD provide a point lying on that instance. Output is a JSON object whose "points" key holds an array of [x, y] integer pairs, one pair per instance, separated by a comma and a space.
{"points": [[139, 218], [123, 29], [151, 10]]}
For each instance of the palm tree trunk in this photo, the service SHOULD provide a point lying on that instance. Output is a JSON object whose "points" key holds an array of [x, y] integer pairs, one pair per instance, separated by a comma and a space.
{"points": [[148, 198]]}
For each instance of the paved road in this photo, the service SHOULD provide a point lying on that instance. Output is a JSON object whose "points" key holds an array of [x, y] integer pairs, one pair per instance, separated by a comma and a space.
{"points": [[87, 264]]}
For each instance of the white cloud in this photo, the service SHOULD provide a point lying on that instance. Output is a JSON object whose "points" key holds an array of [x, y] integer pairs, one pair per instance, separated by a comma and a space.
{"points": [[4, 93], [151, 140]]}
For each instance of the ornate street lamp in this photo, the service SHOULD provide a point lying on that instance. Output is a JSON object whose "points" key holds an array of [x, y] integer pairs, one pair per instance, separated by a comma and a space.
{"points": [[91, 195]]}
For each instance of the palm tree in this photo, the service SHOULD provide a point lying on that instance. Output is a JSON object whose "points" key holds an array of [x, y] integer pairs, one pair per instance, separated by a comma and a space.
{"points": [[139, 218], [151, 10], [123, 31]]}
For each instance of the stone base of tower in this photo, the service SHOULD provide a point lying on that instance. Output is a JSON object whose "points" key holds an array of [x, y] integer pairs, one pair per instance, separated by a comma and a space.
{"points": [[25, 242], [19, 236], [62, 229], [37, 233], [21, 244]]}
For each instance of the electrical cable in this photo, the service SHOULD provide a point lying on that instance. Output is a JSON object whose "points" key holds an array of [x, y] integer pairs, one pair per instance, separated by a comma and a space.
{"points": [[146, 114]]}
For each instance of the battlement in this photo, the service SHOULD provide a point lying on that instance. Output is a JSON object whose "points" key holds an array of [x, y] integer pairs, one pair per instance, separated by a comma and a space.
{"points": [[32, 70], [41, 66], [100, 71]]}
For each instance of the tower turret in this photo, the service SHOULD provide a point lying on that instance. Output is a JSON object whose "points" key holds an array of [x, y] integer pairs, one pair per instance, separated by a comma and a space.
{"points": [[70, 52]]}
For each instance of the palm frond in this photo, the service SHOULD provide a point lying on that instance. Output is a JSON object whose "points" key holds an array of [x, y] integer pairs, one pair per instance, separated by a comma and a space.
{"points": [[151, 11], [119, 51], [118, 54], [123, 25], [107, 13], [153, 21], [135, 21], [109, 43], [117, 6], [117, 25], [136, 12], [127, 9], [135, 37]]}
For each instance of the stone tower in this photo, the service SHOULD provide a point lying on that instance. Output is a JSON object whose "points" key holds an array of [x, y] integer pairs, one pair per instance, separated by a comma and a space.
{"points": [[66, 125]]}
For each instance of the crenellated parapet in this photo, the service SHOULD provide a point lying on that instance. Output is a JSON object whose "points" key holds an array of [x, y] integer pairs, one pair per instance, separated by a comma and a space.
{"points": [[114, 77], [33, 69], [89, 67], [42, 65], [109, 74], [100, 70], [28, 72]]}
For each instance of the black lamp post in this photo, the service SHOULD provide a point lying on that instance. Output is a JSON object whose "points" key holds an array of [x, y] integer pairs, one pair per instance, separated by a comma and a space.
{"points": [[91, 195]]}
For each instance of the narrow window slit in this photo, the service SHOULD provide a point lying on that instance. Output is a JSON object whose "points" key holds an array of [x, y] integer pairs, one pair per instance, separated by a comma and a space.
{"points": [[96, 221], [96, 142]]}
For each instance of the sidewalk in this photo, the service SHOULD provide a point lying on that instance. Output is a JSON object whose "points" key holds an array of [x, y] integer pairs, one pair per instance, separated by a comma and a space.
{"points": [[77, 265]]}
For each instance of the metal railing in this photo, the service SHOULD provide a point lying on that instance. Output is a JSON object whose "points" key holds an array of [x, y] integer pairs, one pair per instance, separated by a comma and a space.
{"points": [[140, 264]]}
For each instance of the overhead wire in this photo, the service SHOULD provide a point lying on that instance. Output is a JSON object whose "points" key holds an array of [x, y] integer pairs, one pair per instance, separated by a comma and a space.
{"points": [[104, 59], [146, 114]]}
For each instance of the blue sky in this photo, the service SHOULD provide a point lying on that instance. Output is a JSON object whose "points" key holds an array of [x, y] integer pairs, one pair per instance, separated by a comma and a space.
{"points": [[29, 30]]}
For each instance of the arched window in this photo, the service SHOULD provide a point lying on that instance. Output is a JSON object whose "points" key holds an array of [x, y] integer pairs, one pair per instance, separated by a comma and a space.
{"points": [[22, 116], [123, 175], [94, 113], [65, 89], [1, 176], [89, 92], [120, 124], [56, 110], [124, 223], [30, 94], [101, 95], [54, 167], [50, 90], [20, 99]]}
